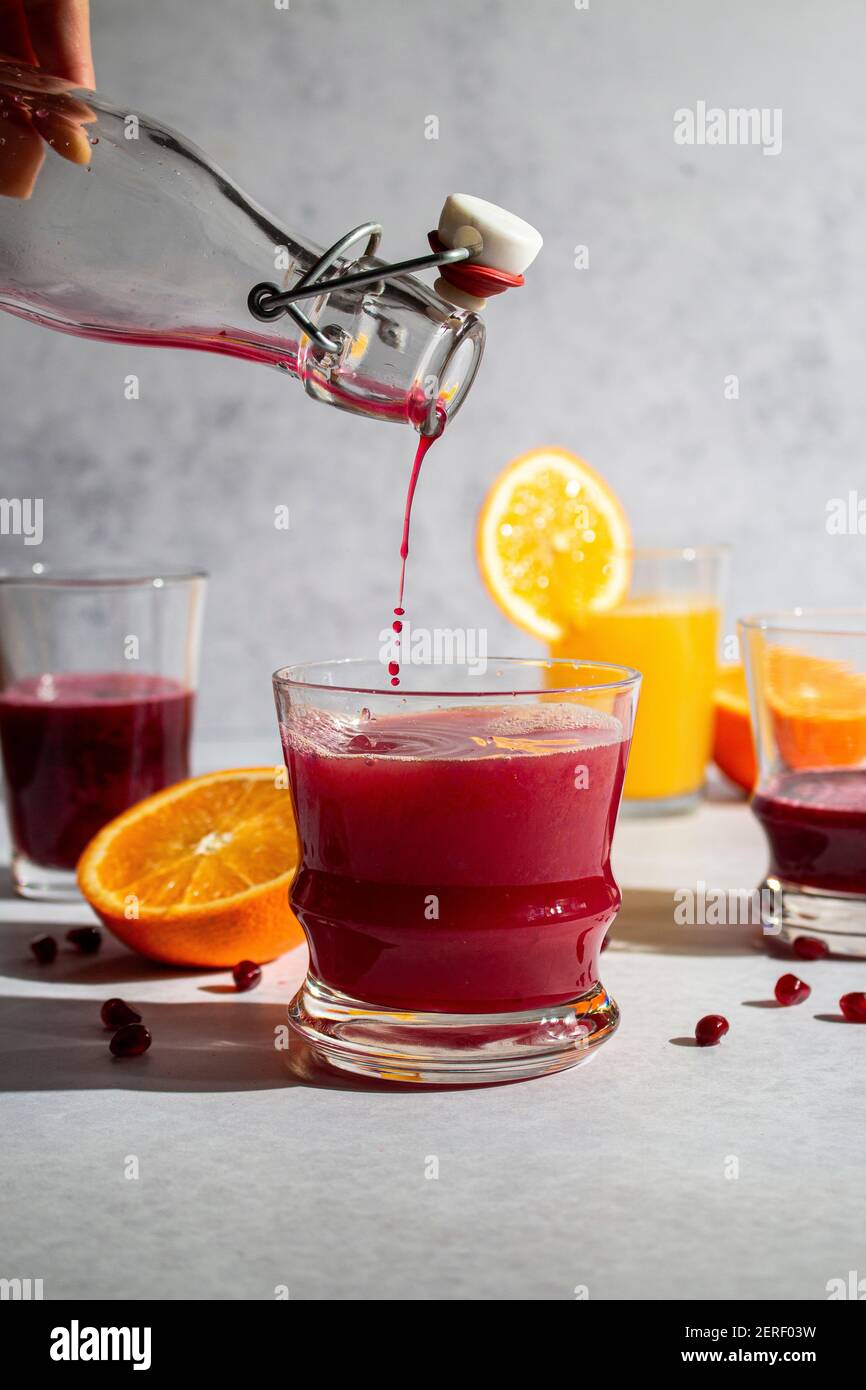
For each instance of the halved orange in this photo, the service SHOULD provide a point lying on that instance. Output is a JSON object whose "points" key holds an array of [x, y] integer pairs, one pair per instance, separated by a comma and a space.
{"points": [[553, 542], [199, 874], [733, 745], [818, 708]]}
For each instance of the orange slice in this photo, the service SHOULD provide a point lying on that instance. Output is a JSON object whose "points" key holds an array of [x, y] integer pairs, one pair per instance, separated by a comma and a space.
{"points": [[818, 709], [733, 745], [199, 874], [552, 542]]}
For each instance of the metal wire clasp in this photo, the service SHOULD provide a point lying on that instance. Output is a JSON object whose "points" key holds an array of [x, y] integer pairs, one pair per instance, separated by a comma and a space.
{"points": [[267, 301]]}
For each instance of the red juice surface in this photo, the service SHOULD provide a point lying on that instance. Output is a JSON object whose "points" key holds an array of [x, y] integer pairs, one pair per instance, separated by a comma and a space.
{"points": [[815, 824], [460, 859], [79, 749]]}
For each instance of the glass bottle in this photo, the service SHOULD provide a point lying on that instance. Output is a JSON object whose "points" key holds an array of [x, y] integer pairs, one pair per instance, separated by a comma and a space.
{"points": [[114, 227]]}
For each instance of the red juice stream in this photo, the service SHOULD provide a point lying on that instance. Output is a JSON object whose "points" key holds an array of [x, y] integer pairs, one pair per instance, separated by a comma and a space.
{"points": [[80, 748], [424, 444], [454, 859]]}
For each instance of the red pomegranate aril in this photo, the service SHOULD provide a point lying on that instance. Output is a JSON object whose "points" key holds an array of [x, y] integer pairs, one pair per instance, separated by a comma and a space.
{"points": [[44, 949], [246, 975], [131, 1040], [853, 1007], [116, 1012], [810, 948], [710, 1030], [790, 989], [85, 939]]}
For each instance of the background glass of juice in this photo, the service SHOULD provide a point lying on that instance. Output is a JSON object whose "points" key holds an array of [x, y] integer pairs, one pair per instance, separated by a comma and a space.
{"points": [[97, 682], [807, 688], [668, 628], [455, 883]]}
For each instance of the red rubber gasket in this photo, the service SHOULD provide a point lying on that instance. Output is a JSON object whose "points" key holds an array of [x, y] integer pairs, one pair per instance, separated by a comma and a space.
{"points": [[479, 280]]}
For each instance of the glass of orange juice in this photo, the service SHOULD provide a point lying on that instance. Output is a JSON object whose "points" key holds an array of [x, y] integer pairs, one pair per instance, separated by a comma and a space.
{"points": [[668, 628]]}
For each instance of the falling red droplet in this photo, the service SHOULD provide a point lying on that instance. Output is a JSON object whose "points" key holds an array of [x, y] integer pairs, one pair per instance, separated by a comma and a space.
{"points": [[131, 1040], [116, 1013], [393, 668], [86, 939], [397, 626], [395, 680], [399, 612], [710, 1029], [246, 975], [790, 989], [853, 1007], [44, 949], [810, 948]]}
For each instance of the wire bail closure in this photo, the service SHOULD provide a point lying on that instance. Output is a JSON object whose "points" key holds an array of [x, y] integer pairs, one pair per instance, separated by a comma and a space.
{"points": [[267, 301]]}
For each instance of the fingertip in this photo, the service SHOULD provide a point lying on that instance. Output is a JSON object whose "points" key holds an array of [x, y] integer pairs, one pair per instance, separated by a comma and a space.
{"points": [[65, 137]]}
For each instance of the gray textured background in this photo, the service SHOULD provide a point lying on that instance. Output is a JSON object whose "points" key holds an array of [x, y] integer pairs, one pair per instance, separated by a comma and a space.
{"points": [[703, 262]]}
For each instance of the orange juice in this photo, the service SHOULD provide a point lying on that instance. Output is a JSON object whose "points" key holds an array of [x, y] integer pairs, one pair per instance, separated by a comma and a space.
{"points": [[672, 640]]}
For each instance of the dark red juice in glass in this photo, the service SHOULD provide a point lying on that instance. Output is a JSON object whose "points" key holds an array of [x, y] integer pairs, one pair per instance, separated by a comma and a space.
{"points": [[456, 860], [815, 824], [78, 749]]}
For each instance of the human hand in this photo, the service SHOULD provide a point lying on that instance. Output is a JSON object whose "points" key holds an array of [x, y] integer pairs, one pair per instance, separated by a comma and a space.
{"points": [[48, 43]]}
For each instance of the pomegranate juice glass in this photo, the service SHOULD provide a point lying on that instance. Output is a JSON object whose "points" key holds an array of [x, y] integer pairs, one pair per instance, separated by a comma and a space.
{"points": [[97, 682], [455, 884], [807, 685]]}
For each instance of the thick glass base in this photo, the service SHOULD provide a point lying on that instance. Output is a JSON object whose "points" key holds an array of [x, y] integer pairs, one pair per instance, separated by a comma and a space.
{"points": [[635, 807], [42, 883], [790, 910], [445, 1049]]}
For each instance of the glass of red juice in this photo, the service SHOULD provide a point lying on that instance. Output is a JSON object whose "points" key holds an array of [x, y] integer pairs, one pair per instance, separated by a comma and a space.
{"points": [[97, 687], [807, 686], [455, 884]]}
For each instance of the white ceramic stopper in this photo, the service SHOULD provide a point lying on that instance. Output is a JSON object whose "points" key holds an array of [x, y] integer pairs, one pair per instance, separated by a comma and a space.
{"points": [[498, 239]]}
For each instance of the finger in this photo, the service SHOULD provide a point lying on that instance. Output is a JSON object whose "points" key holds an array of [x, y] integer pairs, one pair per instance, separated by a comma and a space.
{"points": [[64, 105], [31, 87], [60, 34], [64, 136], [21, 156]]}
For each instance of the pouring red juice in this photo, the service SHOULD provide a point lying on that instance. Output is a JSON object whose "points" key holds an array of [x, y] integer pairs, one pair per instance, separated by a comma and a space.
{"points": [[80, 748], [455, 885]]}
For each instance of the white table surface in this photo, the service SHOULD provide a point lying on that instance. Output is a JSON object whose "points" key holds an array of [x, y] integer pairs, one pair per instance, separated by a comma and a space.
{"points": [[616, 1175]]}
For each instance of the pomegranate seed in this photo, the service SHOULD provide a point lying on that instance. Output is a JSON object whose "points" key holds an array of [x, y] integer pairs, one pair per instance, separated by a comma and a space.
{"points": [[810, 948], [131, 1040], [246, 975], [853, 1007], [710, 1030], [86, 939], [790, 989], [116, 1012], [44, 949]]}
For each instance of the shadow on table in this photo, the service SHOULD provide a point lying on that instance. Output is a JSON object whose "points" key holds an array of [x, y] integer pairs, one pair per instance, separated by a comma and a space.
{"points": [[53, 1044], [646, 923], [49, 1042], [56, 1044]]}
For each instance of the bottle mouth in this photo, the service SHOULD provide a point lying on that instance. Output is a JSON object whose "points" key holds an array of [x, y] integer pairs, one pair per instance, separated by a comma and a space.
{"points": [[449, 369]]}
